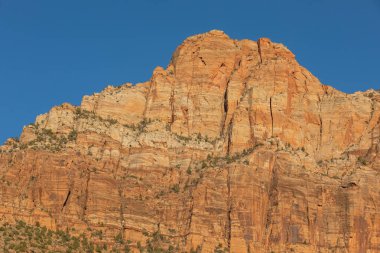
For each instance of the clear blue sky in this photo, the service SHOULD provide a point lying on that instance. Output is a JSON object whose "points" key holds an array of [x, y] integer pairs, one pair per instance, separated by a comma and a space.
{"points": [[57, 51]]}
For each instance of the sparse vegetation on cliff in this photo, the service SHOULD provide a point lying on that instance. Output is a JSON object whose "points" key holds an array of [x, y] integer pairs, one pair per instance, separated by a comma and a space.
{"points": [[21, 237], [45, 139], [84, 114], [215, 161], [198, 138], [141, 126]]}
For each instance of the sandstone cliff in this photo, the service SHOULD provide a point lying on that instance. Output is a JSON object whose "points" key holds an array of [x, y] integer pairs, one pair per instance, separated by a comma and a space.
{"points": [[234, 147]]}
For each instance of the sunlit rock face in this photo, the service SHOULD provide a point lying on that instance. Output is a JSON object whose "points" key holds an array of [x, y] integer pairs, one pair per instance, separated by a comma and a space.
{"points": [[233, 146]]}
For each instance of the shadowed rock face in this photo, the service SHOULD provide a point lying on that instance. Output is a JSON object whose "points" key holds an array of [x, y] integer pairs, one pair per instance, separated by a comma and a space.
{"points": [[234, 145]]}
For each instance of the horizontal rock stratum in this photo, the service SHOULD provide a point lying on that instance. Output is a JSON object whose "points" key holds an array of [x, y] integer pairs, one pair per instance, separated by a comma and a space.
{"points": [[234, 147]]}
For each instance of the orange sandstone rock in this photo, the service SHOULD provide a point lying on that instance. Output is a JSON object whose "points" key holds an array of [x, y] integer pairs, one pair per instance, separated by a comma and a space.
{"points": [[233, 145]]}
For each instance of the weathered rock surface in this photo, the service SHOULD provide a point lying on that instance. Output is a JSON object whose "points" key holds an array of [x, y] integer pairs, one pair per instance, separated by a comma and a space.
{"points": [[233, 146]]}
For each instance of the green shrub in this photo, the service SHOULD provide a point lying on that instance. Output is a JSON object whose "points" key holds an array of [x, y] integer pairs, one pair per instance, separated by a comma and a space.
{"points": [[119, 238], [72, 135], [175, 188], [362, 160], [112, 121], [220, 249]]}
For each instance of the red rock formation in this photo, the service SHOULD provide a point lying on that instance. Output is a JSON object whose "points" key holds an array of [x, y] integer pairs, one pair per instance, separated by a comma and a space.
{"points": [[234, 145]]}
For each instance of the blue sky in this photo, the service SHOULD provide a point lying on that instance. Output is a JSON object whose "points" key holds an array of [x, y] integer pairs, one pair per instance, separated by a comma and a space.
{"points": [[57, 51]]}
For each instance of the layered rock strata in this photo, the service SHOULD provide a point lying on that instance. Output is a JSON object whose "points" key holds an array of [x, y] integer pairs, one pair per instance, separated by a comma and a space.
{"points": [[234, 147]]}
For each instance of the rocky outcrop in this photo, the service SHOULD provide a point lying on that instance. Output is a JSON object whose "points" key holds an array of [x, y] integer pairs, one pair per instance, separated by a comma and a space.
{"points": [[234, 146]]}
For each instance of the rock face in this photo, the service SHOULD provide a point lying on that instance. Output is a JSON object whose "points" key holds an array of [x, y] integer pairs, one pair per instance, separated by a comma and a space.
{"points": [[234, 146]]}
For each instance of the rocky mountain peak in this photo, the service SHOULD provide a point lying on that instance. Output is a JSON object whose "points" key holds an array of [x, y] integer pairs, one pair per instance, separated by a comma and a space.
{"points": [[233, 146]]}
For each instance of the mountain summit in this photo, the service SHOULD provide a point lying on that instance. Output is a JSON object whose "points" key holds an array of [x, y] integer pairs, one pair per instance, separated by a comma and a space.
{"points": [[234, 147]]}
